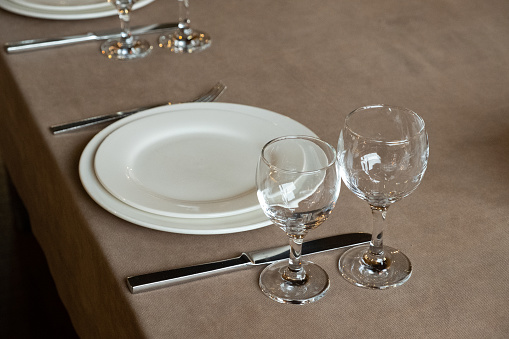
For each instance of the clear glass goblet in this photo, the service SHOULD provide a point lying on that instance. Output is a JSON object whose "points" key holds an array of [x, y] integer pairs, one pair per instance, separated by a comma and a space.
{"points": [[298, 184], [185, 39], [383, 154], [126, 47]]}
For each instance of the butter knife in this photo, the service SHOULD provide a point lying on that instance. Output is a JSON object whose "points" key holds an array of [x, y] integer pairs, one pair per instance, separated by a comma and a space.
{"points": [[35, 44], [153, 281]]}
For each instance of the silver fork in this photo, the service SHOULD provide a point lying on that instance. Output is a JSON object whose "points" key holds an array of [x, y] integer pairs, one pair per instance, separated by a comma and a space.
{"points": [[209, 96]]}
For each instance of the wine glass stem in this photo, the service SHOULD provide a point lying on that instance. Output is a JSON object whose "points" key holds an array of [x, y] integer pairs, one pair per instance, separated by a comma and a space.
{"points": [[295, 273], [124, 13], [375, 257], [184, 21]]}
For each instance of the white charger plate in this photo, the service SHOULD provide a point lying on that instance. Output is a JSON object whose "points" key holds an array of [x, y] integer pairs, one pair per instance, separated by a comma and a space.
{"points": [[62, 13], [221, 225], [191, 161]]}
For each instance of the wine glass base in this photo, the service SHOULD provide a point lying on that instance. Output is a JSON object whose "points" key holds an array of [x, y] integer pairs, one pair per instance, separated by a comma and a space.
{"points": [[354, 270], [179, 43], [275, 287], [114, 49]]}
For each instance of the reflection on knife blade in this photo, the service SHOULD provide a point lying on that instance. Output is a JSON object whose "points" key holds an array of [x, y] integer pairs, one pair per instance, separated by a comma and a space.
{"points": [[152, 281], [35, 44]]}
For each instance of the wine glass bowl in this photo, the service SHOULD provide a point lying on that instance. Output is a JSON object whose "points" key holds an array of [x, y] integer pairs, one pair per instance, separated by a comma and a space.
{"points": [[297, 186], [383, 154], [185, 39], [126, 47]]}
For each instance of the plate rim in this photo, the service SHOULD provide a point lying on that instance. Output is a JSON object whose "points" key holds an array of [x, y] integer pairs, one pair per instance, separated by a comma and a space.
{"points": [[60, 8], [19, 9]]}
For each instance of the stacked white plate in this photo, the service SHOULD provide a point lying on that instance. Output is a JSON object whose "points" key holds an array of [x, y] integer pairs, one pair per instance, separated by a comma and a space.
{"points": [[64, 9], [187, 168]]}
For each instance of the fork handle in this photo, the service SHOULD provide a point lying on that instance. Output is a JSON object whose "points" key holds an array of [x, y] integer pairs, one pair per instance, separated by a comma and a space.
{"points": [[56, 129], [211, 95]]}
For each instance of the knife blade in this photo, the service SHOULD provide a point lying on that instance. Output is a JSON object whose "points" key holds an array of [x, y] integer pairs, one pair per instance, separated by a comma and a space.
{"points": [[153, 281], [35, 44]]}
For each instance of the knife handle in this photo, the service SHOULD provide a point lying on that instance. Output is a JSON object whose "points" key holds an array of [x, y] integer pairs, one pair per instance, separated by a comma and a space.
{"points": [[152, 281], [33, 44], [56, 129]]}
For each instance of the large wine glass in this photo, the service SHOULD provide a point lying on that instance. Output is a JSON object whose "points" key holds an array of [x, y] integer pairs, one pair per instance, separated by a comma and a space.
{"points": [[127, 46], [298, 184], [383, 154], [185, 39]]}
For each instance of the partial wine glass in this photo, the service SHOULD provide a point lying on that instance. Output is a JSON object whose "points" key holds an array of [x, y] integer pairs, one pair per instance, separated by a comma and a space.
{"points": [[297, 186], [185, 39], [127, 46], [383, 154]]}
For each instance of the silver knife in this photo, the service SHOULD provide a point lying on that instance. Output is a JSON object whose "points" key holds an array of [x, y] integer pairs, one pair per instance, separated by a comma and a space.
{"points": [[153, 281], [34, 44]]}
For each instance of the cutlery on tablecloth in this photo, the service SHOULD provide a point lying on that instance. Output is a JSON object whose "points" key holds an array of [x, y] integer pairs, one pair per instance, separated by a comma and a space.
{"points": [[152, 281], [36, 44], [209, 96]]}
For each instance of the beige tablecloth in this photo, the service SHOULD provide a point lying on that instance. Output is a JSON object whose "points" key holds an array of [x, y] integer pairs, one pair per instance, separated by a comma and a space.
{"points": [[314, 62]]}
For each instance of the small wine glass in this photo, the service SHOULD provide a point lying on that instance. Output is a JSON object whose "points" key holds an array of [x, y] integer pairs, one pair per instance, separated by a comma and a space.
{"points": [[185, 39], [126, 47], [298, 184], [383, 154]]}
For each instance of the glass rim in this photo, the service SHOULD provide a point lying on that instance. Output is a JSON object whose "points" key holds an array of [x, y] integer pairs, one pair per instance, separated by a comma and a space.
{"points": [[302, 137], [394, 142]]}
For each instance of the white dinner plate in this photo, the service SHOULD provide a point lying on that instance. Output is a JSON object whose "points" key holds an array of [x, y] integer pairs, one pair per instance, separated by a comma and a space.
{"points": [[62, 2], [63, 5], [192, 161], [42, 11], [221, 225]]}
